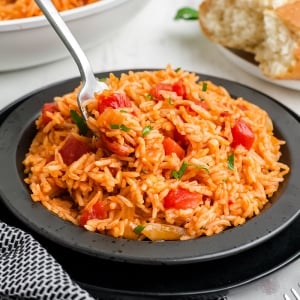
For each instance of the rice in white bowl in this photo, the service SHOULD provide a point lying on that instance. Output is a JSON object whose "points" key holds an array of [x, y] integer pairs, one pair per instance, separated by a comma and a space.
{"points": [[32, 41]]}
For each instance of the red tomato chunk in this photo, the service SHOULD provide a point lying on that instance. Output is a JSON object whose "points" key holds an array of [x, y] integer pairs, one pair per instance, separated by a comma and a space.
{"points": [[113, 100], [97, 211], [182, 199], [178, 87], [242, 134], [48, 107], [170, 146], [113, 146], [181, 139], [155, 92], [73, 149]]}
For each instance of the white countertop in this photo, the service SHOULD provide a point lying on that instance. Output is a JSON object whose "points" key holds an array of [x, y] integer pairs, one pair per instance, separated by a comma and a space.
{"points": [[154, 39]]}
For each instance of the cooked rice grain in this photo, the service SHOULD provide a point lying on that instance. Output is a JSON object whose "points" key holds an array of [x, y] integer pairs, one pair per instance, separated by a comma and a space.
{"points": [[133, 187], [17, 9]]}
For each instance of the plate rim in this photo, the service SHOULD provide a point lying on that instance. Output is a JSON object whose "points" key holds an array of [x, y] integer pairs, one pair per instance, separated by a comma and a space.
{"points": [[116, 252], [254, 70]]}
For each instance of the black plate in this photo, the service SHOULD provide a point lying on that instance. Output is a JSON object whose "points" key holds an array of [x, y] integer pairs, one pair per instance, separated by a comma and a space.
{"points": [[18, 129], [207, 280]]}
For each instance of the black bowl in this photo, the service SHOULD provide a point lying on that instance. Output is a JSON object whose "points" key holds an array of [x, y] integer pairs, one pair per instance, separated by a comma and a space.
{"points": [[18, 129]]}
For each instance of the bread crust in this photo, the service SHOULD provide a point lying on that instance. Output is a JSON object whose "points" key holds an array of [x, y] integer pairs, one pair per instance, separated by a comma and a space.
{"points": [[288, 14], [223, 40]]}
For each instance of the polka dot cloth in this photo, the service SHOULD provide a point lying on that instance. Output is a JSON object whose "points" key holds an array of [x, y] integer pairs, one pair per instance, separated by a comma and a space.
{"points": [[28, 271]]}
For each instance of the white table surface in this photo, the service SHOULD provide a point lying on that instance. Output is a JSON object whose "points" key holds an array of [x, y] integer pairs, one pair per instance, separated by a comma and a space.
{"points": [[152, 40]]}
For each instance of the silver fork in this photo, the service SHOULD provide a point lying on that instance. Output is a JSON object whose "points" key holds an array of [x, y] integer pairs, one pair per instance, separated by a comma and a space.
{"points": [[90, 84], [294, 292]]}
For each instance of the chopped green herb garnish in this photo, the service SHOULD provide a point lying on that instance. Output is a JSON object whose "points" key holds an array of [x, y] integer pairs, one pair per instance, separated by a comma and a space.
{"points": [[102, 79], [138, 229], [170, 101], [177, 69], [149, 97], [230, 161], [204, 87], [79, 121], [202, 167], [146, 130], [119, 126], [186, 13], [178, 174], [123, 111]]}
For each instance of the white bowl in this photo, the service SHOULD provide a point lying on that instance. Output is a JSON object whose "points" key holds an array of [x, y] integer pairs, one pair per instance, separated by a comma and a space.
{"points": [[32, 41]]}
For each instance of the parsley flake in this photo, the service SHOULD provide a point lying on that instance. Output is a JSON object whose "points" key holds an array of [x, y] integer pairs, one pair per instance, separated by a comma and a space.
{"points": [[170, 101], [103, 79], [138, 229], [119, 126], [79, 121], [178, 174], [148, 96], [146, 130], [204, 87], [230, 161]]}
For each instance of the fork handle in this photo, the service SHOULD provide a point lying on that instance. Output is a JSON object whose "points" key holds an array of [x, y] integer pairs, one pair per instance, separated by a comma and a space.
{"points": [[67, 38]]}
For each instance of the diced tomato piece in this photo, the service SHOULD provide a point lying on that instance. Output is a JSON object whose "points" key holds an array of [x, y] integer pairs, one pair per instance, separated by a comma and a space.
{"points": [[73, 149], [224, 114], [50, 158], [242, 134], [113, 146], [182, 199], [179, 89], [181, 139], [113, 100], [171, 146], [48, 107], [98, 211], [155, 92]]}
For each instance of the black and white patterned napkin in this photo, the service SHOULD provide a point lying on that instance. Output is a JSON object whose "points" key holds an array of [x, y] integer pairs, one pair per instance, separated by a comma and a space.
{"points": [[28, 271]]}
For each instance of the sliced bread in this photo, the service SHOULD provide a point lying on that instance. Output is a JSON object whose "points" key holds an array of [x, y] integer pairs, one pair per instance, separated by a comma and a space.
{"points": [[268, 29]]}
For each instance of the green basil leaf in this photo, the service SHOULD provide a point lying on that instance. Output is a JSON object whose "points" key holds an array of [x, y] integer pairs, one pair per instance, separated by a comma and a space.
{"points": [[186, 13]]}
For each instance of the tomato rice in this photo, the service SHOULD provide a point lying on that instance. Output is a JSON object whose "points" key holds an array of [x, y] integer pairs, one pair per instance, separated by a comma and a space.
{"points": [[173, 158]]}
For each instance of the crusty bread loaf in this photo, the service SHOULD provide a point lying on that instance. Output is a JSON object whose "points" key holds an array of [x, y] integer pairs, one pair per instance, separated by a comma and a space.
{"points": [[270, 29]]}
